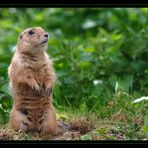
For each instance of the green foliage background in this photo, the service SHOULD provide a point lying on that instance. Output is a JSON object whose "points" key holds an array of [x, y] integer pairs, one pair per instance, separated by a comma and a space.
{"points": [[99, 55]]}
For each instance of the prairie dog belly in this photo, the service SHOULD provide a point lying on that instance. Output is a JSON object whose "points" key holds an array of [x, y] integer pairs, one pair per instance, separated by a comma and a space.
{"points": [[35, 109]]}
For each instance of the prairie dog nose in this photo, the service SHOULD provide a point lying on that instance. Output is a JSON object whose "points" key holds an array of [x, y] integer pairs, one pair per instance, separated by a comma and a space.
{"points": [[46, 35]]}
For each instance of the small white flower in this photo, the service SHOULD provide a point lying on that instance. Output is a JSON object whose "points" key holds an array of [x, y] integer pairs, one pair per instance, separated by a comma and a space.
{"points": [[58, 32], [96, 82], [140, 99], [116, 87], [89, 24]]}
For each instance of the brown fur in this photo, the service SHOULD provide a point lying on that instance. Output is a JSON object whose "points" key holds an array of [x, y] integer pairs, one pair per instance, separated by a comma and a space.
{"points": [[31, 81]]}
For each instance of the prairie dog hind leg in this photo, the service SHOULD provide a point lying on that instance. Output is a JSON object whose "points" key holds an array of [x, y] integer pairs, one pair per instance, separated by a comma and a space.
{"points": [[18, 121]]}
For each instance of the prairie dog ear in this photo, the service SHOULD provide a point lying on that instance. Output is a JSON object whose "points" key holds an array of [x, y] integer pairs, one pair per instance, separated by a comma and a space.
{"points": [[21, 36]]}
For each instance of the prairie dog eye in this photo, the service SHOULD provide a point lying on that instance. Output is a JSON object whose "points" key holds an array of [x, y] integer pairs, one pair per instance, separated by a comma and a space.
{"points": [[31, 32]]}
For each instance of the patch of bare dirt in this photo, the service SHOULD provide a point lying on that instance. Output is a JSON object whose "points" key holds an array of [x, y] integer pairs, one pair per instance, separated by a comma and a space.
{"points": [[72, 130], [82, 125]]}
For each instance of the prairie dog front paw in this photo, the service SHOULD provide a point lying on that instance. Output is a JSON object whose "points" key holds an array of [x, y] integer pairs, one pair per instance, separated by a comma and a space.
{"points": [[48, 89], [33, 84]]}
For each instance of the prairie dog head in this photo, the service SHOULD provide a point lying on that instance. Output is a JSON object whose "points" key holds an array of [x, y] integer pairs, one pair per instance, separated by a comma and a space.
{"points": [[32, 40]]}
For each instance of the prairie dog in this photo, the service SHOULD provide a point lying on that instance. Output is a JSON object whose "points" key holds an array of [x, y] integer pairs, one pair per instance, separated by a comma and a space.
{"points": [[31, 80]]}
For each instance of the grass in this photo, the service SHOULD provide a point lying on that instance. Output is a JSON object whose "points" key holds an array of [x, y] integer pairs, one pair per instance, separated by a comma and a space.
{"points": [[115, 127], [89, 127], [118, 119]]}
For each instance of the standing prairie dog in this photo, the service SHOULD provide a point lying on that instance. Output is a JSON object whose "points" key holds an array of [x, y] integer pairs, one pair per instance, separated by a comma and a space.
{"points": [[31, 81]]}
